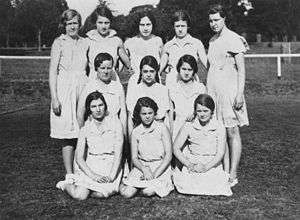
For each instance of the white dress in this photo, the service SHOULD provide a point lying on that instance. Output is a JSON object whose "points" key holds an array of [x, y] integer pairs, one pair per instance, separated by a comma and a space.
{"points": [[202, 147], [71, 80], [101, 143], [184, 103], [151, 153]]}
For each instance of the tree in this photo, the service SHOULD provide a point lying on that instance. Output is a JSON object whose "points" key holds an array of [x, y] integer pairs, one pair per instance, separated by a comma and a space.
{"points": [[39, 16], [7, 18]]}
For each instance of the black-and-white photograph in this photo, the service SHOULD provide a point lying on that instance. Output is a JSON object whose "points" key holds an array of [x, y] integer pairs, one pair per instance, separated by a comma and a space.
{"points": [[149, 109]]}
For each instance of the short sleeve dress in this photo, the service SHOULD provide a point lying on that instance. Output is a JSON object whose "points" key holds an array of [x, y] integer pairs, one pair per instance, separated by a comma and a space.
{"points": [[184, 103], [71, 79], [176, 49], [150, 153], [222, 77], [99, 44], [137, 49], [202, 147], [112, 93], [101, 142]]}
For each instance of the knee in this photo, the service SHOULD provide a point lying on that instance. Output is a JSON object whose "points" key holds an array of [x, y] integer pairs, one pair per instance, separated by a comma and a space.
{"points": [[127, 191], [233, 132]]}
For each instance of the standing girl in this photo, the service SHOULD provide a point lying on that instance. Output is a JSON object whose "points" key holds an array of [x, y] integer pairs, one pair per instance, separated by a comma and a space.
{"points": [[112, 91], [183, 43], [100, 172], [143, 44], [185, 91], [67, 78], [226, 82], [103, 39], [148, 86], [200, 147], [151, 153]]}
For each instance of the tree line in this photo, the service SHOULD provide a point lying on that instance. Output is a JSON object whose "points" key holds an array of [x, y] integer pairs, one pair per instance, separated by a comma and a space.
{"points": [[35, 22]]}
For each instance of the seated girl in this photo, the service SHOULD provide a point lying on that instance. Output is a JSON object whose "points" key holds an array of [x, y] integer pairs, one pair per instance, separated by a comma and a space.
{"points": [[102, 135], [151, 154], [200, 147]]}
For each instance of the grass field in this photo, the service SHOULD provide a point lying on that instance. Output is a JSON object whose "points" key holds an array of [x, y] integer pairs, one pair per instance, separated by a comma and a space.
{"points": [[31, 162]]}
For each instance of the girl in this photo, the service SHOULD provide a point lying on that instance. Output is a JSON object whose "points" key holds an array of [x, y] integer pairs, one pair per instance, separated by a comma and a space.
{"points": [[151, 153], [226, 82], [148, 86], [143, 44], [185, 91], [104, 39], [112, 91], [200, 147], [67, 78], [102, 136], [182, 43]]}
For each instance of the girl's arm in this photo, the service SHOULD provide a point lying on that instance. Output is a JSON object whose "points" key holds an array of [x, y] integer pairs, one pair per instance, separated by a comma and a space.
{"points": [[166, 138], [135, 160], [123, 112], [178, 145], [163, 61], [240, 64], [81, 106], [124, 57], [53, 72], [118, 139], [220, 150], [202, 54]]}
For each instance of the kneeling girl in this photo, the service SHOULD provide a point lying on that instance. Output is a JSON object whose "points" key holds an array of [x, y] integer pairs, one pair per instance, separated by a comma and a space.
{"points": [[151, 153], [100, 173], [200, 147]]}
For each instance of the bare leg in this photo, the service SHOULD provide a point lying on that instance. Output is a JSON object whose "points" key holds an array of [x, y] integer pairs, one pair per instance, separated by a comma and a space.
{"points": [[226, 161], [68, 157], [127, 191], [77, 192], [235, 145]]}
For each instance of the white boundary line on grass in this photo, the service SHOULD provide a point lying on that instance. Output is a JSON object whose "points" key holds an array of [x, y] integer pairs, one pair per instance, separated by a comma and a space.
{"points": [[278, 56]]}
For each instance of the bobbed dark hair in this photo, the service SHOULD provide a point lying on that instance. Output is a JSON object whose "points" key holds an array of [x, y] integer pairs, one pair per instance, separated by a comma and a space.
{"points": [[68, 15], [187, 59], [217, 8], [205, 100], [100, 58], [143, 102], [93, 96], [152, 62], [181, 15], [101, 10], [145, 13]]}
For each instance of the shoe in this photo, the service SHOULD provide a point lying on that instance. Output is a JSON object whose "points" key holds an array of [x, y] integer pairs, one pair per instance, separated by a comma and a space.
{"points": [[233, 182], [62, 184]]}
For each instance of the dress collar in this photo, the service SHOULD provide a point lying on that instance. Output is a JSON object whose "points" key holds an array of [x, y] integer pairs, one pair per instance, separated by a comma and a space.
{"points": [[211, 126], [188, 39], [143, 130], [94, 34]]}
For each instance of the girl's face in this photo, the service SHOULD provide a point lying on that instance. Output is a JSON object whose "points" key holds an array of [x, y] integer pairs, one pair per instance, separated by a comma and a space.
{"points": [[97, 108], [104, 71], [72, 27], [103, 25], [180, 28], [216, 22], [148, 75], [204, 114], [147, 116], [145, 27], [186, 72]]}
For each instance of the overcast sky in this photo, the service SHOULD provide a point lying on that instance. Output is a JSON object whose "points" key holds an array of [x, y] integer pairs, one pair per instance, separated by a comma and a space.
{"points": [[85, 7]]}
